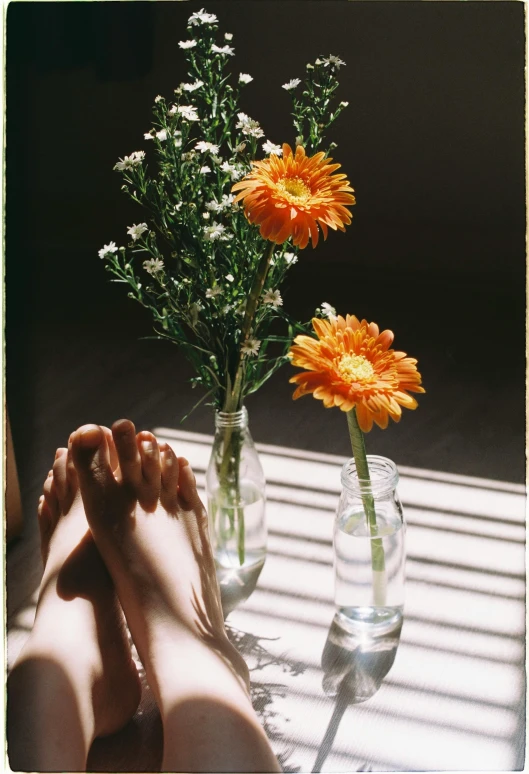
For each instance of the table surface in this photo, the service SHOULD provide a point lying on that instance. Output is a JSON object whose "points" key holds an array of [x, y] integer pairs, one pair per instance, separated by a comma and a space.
{"points": [[453, 698]]}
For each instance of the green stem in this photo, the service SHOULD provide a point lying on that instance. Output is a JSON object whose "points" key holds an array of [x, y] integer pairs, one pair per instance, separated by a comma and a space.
{"points": [[362, 469], [233, 399]]}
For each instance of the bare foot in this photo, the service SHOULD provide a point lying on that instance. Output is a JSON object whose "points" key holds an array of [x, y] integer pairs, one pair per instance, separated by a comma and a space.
{"points": [[151, 529], [79, 620]]}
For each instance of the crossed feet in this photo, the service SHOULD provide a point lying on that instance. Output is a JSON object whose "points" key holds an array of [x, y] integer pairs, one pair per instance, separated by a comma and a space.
{"points": [[124, 534]]}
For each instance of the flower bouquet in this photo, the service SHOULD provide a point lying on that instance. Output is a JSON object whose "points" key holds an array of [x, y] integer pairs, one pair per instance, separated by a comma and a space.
{"points": [[226, 213], [350, 365]]}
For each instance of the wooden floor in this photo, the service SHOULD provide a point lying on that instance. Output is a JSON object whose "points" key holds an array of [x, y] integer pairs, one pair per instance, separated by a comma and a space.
{"points": [[61, 374]]}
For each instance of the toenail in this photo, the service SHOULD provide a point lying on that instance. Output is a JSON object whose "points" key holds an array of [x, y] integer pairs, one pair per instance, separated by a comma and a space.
{"points": [[183, 462], [147, 446], [91, 436], [167, 457]]}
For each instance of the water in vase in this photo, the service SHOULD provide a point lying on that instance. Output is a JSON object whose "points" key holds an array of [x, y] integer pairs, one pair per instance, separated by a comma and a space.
{"points": [[238, 533], [365, 595]]}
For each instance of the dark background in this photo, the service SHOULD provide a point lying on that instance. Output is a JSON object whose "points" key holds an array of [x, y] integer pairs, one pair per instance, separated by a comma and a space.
{"points": [[432, 141]]}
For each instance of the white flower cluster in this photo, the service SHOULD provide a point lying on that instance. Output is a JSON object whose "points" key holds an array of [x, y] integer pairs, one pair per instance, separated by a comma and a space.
{"points": [[192, 86], [291, 85], [216, 232], [245, 78], [327, 310], [248, 126], [228, 50], [187, 43], [251, 347], [201, 17], [136, 231], [272, 149], [290, 258], [153, 266], [224, 204], [108, 250], [234, 171], [273, 297], [128, 162], [189, 112], [204, 147]]}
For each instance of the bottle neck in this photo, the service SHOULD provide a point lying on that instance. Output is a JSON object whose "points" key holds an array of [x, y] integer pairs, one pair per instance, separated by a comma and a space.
{"points": [[237, 420], [383, 473]]}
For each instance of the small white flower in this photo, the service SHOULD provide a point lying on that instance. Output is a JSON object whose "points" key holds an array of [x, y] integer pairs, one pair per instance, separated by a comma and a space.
{"points": [[158, 98], [128, 162], [206, 215], [172, 111], [204, 147], [248, 126], [205, 169], [187, 43], [192, 86], [222, 50], [230, 277], [214, 232], [136, 231], [291, 84], [270, 148], [212, 292], [245, 78], [178, 206], [273, 297], [201, 17], [108, 249], [161, 135], [251, 347], [327, 310], [318, 62], [299, 140], [148, 135], [178, 142], [153, 265], [224, 204], [227, 308], [188, 112], [240, 147], [343, 104], [228, 35], [310, 66], [231, 169], [290, 258], [334, 61]]}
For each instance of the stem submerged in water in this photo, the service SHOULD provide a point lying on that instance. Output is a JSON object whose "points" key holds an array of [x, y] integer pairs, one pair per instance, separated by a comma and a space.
{"points": [[378, 562], [233, 402]]}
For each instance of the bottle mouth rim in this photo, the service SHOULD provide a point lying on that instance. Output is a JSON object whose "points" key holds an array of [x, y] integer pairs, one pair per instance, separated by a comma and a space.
{"points": [[383, 472], [231, 418]]}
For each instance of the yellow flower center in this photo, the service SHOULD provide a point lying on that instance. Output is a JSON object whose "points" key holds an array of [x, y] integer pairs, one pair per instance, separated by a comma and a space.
{"points": [[295, 187], [355, 368]]}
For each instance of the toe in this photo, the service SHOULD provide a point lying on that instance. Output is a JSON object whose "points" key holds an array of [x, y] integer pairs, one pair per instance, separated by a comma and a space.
{"points": [[187, 485], [50, 498], [150, 460], [114, 462], [169, 463], [45, 527], [124, 434], [60, 475], [92, 464]]}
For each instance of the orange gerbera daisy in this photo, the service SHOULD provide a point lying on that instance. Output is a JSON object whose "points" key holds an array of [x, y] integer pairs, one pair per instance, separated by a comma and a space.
{"points": [[290, 197], [351, 366]]}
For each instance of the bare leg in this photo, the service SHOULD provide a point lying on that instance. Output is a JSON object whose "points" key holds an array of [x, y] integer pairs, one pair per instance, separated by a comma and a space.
{"points": [[75, 678], [151, 529]]}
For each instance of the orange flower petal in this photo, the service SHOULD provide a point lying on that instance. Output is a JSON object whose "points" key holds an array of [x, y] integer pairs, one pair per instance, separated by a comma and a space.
{"points": [[350, 365]]}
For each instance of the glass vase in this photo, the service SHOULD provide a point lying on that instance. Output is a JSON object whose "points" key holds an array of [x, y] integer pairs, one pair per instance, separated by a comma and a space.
{"points": [[369, 549], [235, 487]]}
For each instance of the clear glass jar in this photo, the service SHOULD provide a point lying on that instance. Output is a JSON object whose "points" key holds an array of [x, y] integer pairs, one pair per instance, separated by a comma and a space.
{"points": [[235, 486], [369, 547]]}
